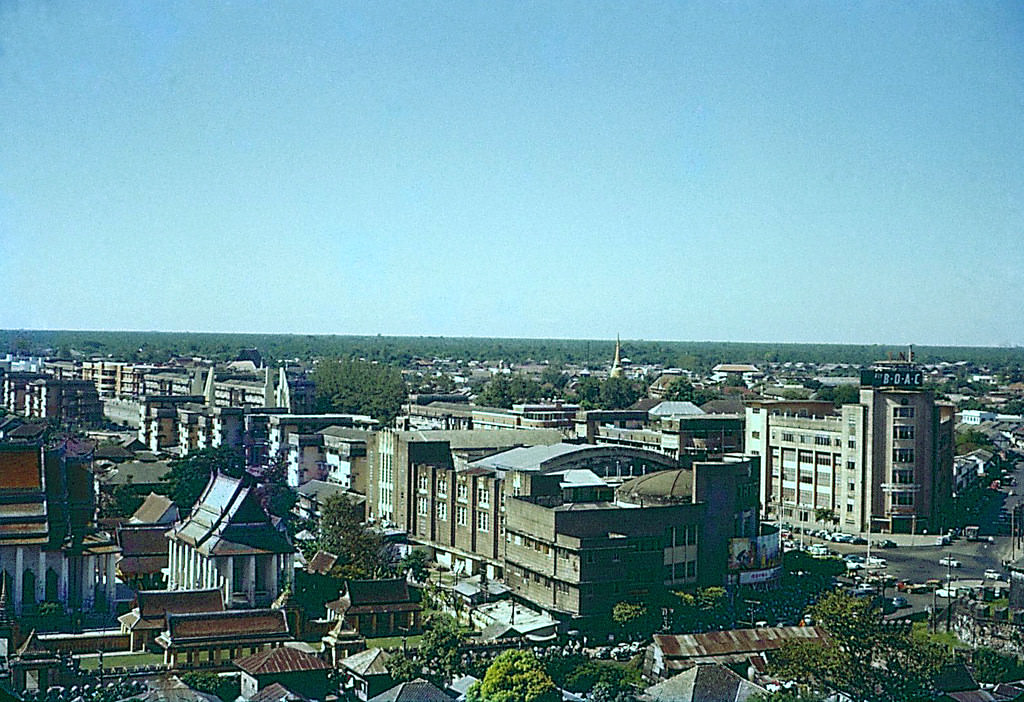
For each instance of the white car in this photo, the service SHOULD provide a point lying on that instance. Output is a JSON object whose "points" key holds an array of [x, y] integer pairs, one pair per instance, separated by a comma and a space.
{"points": [[876, 562], [950, 562], [993, 575], [945, 592]]}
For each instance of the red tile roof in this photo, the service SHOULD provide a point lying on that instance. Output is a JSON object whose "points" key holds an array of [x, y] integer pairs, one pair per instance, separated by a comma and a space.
{"points": [[281, 660]]}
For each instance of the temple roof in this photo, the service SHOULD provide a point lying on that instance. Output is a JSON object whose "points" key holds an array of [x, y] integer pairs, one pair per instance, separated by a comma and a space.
{"points": [[228, 520]]}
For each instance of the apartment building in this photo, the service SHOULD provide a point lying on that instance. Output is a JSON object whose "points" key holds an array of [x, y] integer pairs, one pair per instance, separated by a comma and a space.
{"points": [[62, 401], [884, 464], [333, 454]]}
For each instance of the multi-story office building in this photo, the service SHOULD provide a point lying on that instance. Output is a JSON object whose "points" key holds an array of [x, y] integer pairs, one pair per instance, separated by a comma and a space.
{"points": [[579, 552], [392, 456], [883, 464]]}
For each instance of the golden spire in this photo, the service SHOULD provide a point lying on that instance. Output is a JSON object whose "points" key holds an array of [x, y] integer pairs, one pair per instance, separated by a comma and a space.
{"points": [[616, 371]]}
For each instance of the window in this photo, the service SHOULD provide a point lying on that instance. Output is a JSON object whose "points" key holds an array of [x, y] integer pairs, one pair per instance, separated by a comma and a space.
{"points": [[483, 521], [691, 569], [755, 410], [442, 486], [462, 492], [903, 412], [460, 516], [852, 443], [483, 495], [755, 435], [786, 436], [423, 482], [822, 441], [851, 465], [442, 511], [903, 477], [903, 431], [904, 499], [903, 455], [422, 506]]}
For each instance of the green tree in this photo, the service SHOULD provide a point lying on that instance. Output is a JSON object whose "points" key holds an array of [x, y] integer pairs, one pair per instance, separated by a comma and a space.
{"points": [[416, 562], [838, 394], [991, 666], [554, 376], [496, 393], [588, 392], [634, 618], [797, 695], [681, 390], [124, 500], [403, 668], [439, 646], [865, 657], [971, 439], [188, 476], [360, 550], [826, 514], [212, 684], [618, 393], [515, 676], [359, 387]]}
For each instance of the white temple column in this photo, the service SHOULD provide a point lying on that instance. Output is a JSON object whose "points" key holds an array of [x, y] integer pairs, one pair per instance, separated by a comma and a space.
{"points": [[41, 576], [62, 582], [229, 584], [250, 580], [88, 581], [19, 567], [111, 580]]}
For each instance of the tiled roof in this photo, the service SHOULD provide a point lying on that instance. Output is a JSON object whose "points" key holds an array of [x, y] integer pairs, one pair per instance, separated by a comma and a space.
{"points": [[154, 509], [146, 540], [281, 660], [387, 591], [277, 692], [704, 683], [372, 661], [228, 520], [239, 624], [419, 690], [154, 604], [321, 562]]}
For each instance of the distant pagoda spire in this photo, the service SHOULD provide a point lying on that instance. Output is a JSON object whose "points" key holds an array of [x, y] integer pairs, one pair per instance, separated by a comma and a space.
{"points": [[616, 371]]}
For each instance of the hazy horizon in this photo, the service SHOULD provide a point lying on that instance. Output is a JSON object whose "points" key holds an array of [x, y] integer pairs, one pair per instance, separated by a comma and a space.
{"points": [[791, 172]]}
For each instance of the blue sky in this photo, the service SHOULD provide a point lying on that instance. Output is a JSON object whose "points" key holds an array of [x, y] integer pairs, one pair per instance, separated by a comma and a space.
{"points": [[780, 171]]}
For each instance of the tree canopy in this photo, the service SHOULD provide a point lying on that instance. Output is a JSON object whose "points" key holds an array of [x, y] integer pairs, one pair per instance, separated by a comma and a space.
{"points": [[865, 657], [515, 676], [188, 476], [359, 387], [504, 391], [360, 550]]}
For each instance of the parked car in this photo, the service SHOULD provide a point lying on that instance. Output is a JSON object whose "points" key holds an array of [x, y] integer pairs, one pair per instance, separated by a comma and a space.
{"points": [[949, 562], [899, 602], [876, 562], [993, 575], [886, 543], [945, 592]]}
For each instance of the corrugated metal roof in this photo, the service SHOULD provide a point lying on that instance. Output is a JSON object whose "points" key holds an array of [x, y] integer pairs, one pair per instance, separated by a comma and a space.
{"points": [[735, 641]]}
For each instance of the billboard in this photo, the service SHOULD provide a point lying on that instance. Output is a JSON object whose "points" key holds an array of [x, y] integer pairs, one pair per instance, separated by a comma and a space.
{"points": [[755, 553], [896, 377]]}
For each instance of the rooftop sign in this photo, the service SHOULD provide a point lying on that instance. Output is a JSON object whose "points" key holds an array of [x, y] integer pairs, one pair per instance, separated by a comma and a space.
{"points": [[892, 376]]}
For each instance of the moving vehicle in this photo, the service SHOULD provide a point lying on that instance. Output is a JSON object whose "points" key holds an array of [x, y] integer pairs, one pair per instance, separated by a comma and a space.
{"points": [[886, 543], [949, 562], [899, 602], [993, 575]]}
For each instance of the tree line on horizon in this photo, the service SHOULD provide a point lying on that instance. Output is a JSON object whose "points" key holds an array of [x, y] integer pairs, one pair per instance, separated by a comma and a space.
{"points": [[700, 356]]}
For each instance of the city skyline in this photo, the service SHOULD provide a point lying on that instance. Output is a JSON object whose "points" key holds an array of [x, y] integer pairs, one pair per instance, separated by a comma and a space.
{"points": [[782, 172]]}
